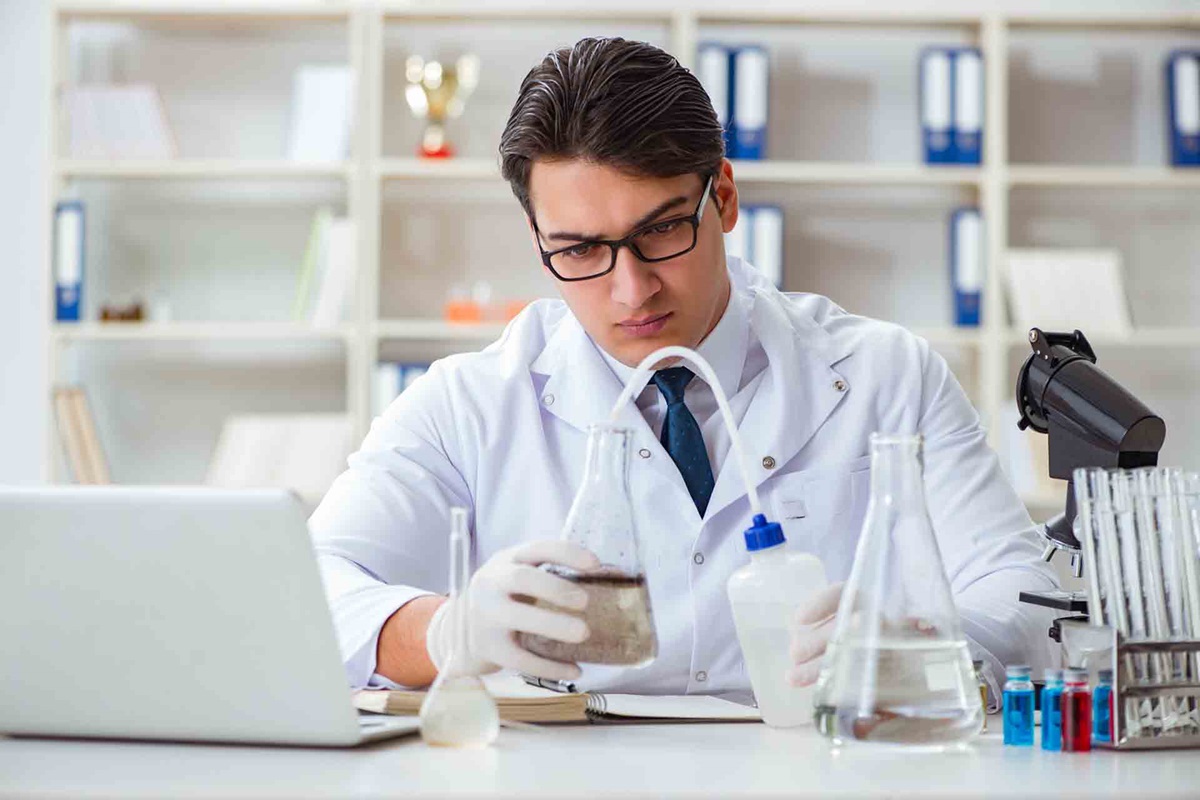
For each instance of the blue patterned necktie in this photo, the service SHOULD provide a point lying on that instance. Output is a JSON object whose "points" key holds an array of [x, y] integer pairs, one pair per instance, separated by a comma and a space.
{"points": [[682, 438]]}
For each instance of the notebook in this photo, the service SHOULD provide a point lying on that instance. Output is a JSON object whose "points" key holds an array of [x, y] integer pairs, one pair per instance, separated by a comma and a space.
{"points": [[519, 702]]}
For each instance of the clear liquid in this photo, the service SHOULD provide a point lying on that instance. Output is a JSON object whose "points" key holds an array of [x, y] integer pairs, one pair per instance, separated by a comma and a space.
{"points": [[765, 649], [459, 712], [618, 616], [900, 691]]}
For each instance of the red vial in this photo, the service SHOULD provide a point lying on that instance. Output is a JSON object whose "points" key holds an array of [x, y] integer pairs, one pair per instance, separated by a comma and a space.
{"points": [[1076, 712]]}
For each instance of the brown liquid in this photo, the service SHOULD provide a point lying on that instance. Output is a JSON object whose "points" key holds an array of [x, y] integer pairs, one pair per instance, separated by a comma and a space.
{"points": [[617, 614]]}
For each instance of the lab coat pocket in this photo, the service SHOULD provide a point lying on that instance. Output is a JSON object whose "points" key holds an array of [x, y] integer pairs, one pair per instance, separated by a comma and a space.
{"points": [[822, 503]]}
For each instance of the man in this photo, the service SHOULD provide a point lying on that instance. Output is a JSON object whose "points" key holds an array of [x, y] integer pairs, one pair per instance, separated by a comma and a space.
{"points": [[616, 156]]}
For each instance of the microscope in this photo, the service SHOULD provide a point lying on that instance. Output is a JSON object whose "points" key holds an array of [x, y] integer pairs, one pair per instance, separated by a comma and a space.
{"points": [[1092, 421]]}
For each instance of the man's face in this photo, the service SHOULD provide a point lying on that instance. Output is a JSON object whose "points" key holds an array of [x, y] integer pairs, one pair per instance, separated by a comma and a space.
{"points": [[638, 307]]}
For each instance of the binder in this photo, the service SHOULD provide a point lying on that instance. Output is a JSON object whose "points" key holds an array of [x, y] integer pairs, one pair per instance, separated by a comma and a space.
{"points": [[968, 106], [1183, 107], [750, 70], [966, 265], [766, 243], [714, 65], [68, 260], [737, 241], [935, 99]]}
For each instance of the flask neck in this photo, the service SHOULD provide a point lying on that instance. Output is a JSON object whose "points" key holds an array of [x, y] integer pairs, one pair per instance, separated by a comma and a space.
{"points": [[607, 461], [897, 467]]}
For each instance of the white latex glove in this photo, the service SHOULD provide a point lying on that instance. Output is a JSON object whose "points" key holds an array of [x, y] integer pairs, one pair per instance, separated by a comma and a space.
{"points": [[811, 631], [494, 617]]}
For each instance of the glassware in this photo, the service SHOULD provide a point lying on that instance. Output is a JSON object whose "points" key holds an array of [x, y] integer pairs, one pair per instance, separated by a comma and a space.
{"points": [[1102, 707], [1052, 710], [1018, 705], [1076, 711], [458, 710], [618, 610], [977, 665], [897, 669]]}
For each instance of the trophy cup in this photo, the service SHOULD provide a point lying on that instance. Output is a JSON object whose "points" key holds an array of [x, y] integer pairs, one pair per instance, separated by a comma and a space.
{"points": [[436, 93]]}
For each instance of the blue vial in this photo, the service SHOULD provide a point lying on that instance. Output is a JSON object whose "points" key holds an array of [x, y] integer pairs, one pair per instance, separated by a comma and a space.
{"points": [[1102, 708], [1052, 710], [1018, 706]]}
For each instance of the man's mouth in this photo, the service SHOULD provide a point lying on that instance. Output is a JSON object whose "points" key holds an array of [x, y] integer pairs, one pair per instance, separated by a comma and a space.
{"points": [[644, 326]]}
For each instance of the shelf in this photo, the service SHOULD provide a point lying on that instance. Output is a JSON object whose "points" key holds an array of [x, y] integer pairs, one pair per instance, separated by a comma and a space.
{"points": [[476, 169], [890, 18], [1140, 337], [437, 330], [553, 12], [195, 331], [1083, 176], [200, 168], [191, 14], [1144, 21]]}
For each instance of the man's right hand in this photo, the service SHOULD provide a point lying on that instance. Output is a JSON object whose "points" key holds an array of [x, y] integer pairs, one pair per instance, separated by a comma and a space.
{"points": [[495, 616]]}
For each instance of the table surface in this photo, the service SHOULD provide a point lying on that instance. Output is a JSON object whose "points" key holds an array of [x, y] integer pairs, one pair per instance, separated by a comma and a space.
{"points": [[587, 761]]}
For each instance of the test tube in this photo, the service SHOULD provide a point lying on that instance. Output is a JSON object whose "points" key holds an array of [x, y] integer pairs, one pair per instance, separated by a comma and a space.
{"points": [[1018, 705], [1052, 710], [1102, 709], [1076, 712]]}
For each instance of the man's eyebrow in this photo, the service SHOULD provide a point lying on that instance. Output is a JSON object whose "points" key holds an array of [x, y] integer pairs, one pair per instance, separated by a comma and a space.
{"points": [[657, 211]]}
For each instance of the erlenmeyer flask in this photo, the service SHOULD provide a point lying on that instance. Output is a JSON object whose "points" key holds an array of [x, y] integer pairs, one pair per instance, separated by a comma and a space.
{"points": [[898, 670], [459, 711], [601, 519]]}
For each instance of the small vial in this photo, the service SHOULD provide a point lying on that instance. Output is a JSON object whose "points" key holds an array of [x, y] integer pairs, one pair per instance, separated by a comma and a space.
{"points": [[1076, 712], [1052, 710], [1018, 706], [983, 690], [1102, 708]]}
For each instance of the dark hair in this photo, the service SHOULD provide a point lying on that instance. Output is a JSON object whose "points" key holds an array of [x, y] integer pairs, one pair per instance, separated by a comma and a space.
{"points": [[615, 102]]}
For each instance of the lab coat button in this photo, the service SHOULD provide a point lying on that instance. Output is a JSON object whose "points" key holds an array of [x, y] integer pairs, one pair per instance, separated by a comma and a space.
{"points": [[644, 453], [548, 399], [701, 676], [768, 463], [698, 558], [839, 385]]}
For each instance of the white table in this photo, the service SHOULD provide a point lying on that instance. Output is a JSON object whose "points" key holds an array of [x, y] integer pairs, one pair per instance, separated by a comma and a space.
{"points": [[589, 761]]}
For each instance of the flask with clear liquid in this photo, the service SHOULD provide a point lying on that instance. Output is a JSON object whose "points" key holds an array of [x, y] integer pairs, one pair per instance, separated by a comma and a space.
{"points": [[601, 519], [897, 670], [458, 710]]}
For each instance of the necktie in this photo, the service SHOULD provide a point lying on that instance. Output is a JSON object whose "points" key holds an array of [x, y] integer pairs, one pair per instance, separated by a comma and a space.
{"points": [[682, 438]]}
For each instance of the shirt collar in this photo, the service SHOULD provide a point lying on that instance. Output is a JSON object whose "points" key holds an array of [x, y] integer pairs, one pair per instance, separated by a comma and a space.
{"points": [[724, 348]]}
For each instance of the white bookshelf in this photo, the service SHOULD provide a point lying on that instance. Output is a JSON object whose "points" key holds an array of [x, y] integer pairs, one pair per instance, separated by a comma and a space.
{"points": [[372, 172]]}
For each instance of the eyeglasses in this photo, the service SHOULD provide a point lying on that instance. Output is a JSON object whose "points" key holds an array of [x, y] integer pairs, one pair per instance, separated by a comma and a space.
{"points": [[658, 241]]}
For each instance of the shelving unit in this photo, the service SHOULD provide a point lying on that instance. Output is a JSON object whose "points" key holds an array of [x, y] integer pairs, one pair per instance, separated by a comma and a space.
{"points": [[372, 171]]}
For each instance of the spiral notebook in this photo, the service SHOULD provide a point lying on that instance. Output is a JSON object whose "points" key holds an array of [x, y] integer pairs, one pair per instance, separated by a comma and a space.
{"points": [[519, 702]]}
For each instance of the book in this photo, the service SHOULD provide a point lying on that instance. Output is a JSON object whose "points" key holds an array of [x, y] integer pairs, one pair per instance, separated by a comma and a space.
{"points": [[322, 108], [77, 431], [69, 230], [966, 265], [935, 102], [1183, 107], [968, 106], [1065, 289], [519, 702], [951, 104], [118, 121]]}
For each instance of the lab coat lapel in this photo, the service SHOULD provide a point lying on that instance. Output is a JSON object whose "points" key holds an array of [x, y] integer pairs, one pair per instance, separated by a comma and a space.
{"points": [[796, 396]]}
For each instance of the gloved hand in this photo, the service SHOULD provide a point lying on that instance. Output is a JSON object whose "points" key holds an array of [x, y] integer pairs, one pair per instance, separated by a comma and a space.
{"points": [[811, 631], [494, 616]]}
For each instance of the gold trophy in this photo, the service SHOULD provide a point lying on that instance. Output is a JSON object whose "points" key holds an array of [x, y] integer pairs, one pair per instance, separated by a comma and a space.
{"points": [[436, 93]]}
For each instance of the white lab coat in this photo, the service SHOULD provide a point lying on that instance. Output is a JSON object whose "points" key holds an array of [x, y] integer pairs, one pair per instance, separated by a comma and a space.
{"points": [[503, 432]]}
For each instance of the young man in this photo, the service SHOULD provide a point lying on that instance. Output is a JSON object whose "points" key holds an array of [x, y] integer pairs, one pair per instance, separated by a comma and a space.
{"points": [[615, 153]]}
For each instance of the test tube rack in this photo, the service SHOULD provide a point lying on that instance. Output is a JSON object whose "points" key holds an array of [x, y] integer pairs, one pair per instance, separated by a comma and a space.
{"points": [[1147, 715]]}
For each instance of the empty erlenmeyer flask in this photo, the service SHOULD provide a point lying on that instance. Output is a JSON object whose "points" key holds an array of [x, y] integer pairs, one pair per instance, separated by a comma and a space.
{"points": [[601, 519], [898, 670], [459, 711]]}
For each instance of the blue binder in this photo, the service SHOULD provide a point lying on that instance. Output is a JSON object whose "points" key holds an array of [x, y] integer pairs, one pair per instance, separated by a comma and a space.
{"points": [[1183, 107], [950, 94], [714, 68], [69, 239], [750, 102], [967, 269]]}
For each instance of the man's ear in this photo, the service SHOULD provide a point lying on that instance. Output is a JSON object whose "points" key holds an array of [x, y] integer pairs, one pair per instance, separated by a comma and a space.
{"points": [[727, 196]]}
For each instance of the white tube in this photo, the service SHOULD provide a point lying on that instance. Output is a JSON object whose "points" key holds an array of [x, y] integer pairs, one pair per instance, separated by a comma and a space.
{"points": [[641, 377]]}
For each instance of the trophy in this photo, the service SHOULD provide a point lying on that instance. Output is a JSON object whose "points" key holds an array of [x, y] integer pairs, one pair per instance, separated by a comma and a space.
{"points": [[436, 93]]}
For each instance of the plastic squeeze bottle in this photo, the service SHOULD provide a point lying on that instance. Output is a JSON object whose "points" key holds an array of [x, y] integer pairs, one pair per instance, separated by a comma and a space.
{"points": [[765, 595]]}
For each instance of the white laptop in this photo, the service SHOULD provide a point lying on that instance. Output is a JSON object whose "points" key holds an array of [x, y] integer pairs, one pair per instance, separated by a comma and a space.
{"points": [[169, 613]]}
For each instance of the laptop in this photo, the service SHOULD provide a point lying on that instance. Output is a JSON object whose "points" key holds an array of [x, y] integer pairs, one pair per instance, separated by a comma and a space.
{"points": [[167, 613]]}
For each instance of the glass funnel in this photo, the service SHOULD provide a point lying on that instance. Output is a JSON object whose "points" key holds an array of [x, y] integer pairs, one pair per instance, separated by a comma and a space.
{"points": [[601, 519], [897, 670], [458, 710]]}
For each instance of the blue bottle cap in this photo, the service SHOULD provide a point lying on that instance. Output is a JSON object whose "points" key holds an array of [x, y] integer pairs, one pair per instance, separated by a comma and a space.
{"points": [[763, 534]]}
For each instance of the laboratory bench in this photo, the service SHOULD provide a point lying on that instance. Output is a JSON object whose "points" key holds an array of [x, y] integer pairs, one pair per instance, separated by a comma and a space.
{"points": [[729, 760]]}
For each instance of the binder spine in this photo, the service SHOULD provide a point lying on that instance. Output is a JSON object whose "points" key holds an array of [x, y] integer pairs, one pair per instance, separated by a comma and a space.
{"points": [[1183, 107], [934, 93], [966, 265], [68, 267], [715, 70], [967, 128], [750, 100]]}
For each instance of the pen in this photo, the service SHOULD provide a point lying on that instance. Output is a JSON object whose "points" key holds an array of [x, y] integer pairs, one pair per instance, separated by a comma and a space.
{"points": [[565, 687]]}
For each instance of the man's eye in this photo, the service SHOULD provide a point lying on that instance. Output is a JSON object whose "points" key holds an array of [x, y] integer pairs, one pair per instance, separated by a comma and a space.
{"points": [[580, 251], [663, 228]]}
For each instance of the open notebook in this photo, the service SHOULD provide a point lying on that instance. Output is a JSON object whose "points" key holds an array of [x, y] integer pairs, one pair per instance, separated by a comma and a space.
{"points": [[520, 702]]}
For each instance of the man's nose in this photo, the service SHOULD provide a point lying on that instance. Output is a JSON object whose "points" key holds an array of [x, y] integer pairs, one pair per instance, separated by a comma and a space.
{"points": [[633, 280]]}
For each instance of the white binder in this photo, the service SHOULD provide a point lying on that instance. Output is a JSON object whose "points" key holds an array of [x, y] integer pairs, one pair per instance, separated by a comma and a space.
{"points": [[968, 107], [750, 70]]}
